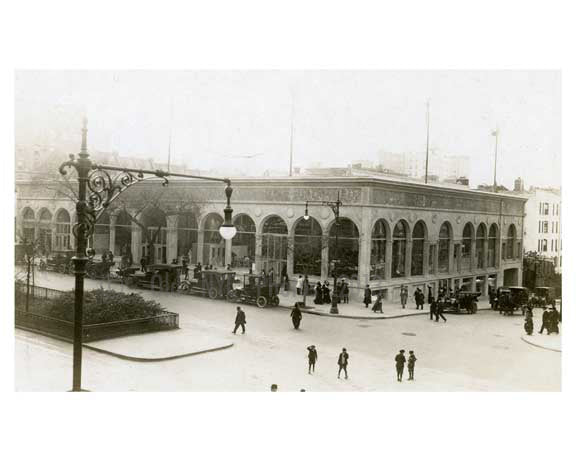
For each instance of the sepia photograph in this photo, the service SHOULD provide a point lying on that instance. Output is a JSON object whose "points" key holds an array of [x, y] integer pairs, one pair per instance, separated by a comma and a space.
{"points": [[287, 230]]}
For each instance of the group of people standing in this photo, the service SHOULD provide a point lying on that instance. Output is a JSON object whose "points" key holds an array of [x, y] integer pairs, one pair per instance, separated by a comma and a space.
{"points": [[550, 321], [323, 294]]}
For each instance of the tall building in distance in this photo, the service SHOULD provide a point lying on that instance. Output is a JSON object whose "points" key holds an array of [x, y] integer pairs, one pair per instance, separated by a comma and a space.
{"points": [[543, 223], [441, 167]]}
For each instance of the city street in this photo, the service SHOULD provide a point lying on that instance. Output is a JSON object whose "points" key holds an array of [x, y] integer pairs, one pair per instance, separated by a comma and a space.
{"points": [[482, 352]]}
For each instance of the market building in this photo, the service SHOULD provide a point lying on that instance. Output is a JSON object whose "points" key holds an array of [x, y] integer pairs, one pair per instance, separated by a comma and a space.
{"points": [[391, 232]]}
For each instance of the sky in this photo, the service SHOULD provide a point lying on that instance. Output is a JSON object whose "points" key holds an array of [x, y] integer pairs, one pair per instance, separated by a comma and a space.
{"points": [[214, 119]]}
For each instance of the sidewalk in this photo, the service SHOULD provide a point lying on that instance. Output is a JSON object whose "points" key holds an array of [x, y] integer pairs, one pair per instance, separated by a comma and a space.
{"points": [[355, 310], [551, 342]]}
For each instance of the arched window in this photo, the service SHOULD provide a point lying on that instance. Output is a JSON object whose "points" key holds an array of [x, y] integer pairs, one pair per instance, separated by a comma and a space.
{"points": [[188, 236], [214, 250], [28, 225], [123, 240], [45, 231], [492, 242], [274, 246], [466, 254], [480, 242], [343, 249], [62, 230], [154, 242], [307, 247], [399, 237], [378, 251], [511, 241], [418, 236], [444, 238], [244, 242], [101, 236]]}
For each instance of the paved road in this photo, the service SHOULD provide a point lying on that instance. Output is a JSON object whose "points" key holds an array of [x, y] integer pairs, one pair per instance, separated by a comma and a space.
{"points": [[468, 353]]}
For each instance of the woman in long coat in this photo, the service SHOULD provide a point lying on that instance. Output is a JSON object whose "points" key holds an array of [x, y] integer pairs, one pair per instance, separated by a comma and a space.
{"points": [[326, 293], [318, 297], [367, 296]]}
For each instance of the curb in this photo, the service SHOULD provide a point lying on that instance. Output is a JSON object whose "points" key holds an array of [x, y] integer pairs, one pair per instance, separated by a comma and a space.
{"points": [[127, 357], [538, 345], [355, 317]]}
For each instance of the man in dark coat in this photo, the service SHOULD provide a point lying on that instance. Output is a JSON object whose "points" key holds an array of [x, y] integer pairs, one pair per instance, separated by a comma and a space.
{"points": [[343, 363], [411, 363], [318, 299], [345, 292], [545, 325], [312, 358], [420, 300], [377, 307], [296, 315], [400, 360], [367, 296], [433, 307], [240, 320], [439, 311], [553, 320], [326, 299]]}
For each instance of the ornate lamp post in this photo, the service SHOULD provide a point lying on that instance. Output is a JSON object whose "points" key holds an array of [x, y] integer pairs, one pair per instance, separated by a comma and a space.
{"points": [[97, 189], [335, 207]]}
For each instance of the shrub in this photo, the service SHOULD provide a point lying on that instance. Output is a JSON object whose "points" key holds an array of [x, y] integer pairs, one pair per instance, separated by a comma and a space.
{"points": [[102, 306]]}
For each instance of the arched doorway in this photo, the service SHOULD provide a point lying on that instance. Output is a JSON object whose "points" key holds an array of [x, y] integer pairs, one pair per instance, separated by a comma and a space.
{"points": [[480, 242], [45, 231], [307, 247], [62, 230], [101, 237], [214, 249], [466, 253], [492, 242], [343, 249], [274, 245], [123, 237], [378, 250], [188, 236], [444, 240], [244, 243], [399, 245], [418, 237], [154, 241], [28, 225]]}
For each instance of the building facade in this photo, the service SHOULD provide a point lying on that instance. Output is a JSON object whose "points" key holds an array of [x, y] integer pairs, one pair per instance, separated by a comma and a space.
{"points": [[390, 233], [543, 230]]}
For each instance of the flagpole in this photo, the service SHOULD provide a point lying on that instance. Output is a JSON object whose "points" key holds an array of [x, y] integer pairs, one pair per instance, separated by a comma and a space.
{"points": [[427, 139], [291, 133], [495, 134]]}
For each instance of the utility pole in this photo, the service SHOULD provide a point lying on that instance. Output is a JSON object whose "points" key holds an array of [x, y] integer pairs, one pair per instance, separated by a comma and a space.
{"points": [[495, 133], [170, 132], [427, 139], [291, 133]]}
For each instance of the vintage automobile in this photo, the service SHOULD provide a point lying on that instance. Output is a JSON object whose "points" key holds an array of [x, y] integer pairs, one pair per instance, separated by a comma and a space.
{"points": [[255, 290], [58, 261], [511, 299], [165, 277], [98, 269], [462, 302], [211, 283], [543, 297]]}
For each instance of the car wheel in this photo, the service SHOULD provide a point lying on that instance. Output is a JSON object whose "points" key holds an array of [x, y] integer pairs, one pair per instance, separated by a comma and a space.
{"points": [[275, 301], [261, 301], [212, 293], [231, 296]]}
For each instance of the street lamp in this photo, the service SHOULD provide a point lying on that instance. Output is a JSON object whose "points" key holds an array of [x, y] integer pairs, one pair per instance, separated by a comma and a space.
{"points": [[97, 189], [335, 206]]}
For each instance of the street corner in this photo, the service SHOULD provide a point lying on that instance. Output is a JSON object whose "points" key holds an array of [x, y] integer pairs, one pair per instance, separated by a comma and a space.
{"points": [[551, 342], [161, 346]]}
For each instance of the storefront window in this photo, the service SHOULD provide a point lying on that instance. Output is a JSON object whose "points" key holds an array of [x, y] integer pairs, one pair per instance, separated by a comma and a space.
{"points": [[307, 247], [378, 251], [418, 236]]}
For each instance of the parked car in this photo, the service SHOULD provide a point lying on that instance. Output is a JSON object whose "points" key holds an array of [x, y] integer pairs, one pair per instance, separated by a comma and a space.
{"points": [[211, 283], [165, 277], [462, 302], [58, 261], [255, 290], [511, 299], [543, 297]]}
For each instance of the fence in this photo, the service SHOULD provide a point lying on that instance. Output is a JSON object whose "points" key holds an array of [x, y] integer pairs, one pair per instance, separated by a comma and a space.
{"points": [[94, 332]]}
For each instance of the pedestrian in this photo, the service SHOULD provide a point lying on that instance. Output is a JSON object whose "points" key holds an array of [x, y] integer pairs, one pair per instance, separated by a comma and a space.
{"points": [[528, 325], [429, 294], [343, 363], [299, 284], [411, 363], [326, 299], [421, 299], [274, 388], [345, 291], [417, 297], [318, 293], [296, 315], [403, 296], [377, 307], [545, 325], [185, 266], [367, 296], [433, 307], [553, 320], [312, 358], [400, 360], [240, 320], [337, 291], [306, 286], [439, 311], [143, 264]]}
